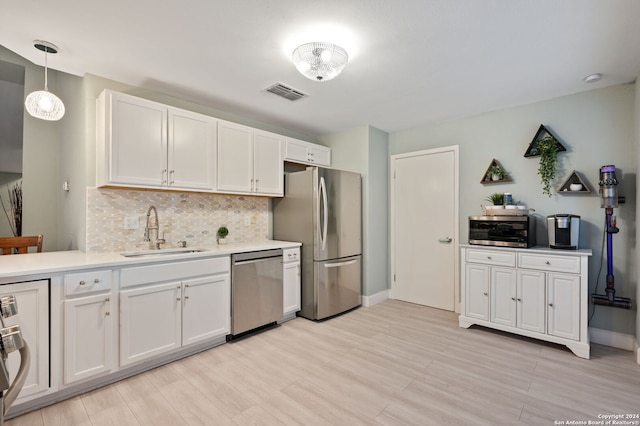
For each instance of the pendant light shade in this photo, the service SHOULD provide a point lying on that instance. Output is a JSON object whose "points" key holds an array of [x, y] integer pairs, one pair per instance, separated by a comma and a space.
{"points": [[42, 103], [320, 61]]}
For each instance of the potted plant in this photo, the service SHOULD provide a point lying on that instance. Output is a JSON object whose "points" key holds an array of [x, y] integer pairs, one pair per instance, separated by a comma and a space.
{"points": [[495, 172], [221, 234], [548, 149], [497, 199]]}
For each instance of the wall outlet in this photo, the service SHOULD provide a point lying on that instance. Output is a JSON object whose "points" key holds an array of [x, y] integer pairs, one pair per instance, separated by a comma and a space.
{"points": [[131, 222]]}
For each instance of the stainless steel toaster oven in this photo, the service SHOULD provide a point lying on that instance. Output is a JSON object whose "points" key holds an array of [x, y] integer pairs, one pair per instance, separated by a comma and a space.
{"points": [[503, 231]]}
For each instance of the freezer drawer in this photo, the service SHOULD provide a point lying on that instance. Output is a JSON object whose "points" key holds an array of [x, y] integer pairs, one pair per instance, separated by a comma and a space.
{"points": [[337, 286]]}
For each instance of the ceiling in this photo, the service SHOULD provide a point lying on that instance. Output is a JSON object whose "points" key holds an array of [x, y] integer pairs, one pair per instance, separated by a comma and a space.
{"points": [[412, 62]]}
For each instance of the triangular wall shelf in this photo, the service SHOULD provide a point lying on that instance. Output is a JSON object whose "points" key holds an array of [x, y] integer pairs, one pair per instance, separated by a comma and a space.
{"points": [[486, 178], [541, 134], [574, 179]]}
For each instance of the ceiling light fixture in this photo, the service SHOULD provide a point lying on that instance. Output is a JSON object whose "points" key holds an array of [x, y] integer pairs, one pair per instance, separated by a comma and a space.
{"points": [[320, 61], [42, 103], [592, 78]]}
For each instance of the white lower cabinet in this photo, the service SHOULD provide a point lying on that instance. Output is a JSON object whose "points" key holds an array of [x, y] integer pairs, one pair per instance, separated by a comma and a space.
{"points": [[180, 304], [32, 298], [291, 282], [89, 325], [529, 292]]}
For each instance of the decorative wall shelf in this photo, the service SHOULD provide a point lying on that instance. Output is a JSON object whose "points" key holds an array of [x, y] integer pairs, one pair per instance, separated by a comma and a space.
{"points": [[541, 134], [574, 179], [487, 177]]}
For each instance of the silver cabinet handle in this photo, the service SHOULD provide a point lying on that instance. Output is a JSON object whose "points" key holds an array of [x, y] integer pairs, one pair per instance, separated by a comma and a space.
{"points": [[485, 293], [445, 240], [82, 282]]}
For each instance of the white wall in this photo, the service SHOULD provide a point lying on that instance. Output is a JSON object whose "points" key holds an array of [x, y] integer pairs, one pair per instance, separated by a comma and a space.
{"points": [[597, 127]]}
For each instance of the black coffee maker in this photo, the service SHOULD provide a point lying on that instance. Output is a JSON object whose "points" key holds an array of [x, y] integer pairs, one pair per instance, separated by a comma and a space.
{"points": [[564, 230]]}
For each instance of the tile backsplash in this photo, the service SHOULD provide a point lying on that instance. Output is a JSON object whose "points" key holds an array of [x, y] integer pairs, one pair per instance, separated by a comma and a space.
{"points": [[193, 217]]}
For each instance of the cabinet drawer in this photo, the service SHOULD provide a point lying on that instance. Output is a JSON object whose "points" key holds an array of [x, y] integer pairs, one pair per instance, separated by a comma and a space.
{"points": [[291, 255], [491, 257], [544, 262], [161, 272], [88, 282]]}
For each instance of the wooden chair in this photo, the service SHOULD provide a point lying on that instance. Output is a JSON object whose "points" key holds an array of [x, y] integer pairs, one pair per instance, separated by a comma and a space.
{"points": [[22, 244]]}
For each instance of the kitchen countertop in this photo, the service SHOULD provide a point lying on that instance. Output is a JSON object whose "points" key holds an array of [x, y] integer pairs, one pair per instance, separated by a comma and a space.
{"points": [[21, 265], [535, 249]]}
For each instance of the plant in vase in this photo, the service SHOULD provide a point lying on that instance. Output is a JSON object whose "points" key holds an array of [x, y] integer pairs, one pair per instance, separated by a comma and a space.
{"points": [[221, 234], [14, 212], [495, 173], [548, 149], [497, 199]]}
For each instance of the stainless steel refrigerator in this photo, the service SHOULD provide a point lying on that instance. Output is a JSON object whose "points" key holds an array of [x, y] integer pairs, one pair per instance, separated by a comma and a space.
{"points": [[322, 209]]}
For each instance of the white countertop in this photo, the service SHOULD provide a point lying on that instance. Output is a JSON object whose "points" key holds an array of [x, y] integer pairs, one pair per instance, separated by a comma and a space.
{"points": [[21, 265], [535, 249]]}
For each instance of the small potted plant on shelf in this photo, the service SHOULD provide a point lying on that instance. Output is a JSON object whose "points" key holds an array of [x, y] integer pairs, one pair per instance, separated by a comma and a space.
{"points": [[497, 199], [221, 234], [495, 173], [548, 149]]}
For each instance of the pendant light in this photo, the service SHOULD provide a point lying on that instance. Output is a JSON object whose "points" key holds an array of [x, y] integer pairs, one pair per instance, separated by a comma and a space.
{"points": [[320, 61], [42, 103]]}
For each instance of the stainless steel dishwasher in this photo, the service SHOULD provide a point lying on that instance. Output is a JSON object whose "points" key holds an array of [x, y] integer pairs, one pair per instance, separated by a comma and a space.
{"points": [[256, 290]]}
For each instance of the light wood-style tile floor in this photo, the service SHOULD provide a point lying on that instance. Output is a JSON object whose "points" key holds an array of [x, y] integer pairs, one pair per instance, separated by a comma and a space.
{"points": [[392, 364]]}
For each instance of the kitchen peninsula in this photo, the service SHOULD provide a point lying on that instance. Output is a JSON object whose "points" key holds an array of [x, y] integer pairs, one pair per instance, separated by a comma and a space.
{"points": [[95, 318]]}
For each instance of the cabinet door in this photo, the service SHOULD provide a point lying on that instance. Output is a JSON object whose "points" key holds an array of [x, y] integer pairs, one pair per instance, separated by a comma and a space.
{"points": [[268, 164], [503, 296], [206, 308], [149, 321], [138, 141], [296, 151], [477, 291], [88, 336], [33, 317], [235, 154], [563, 310], [531, 300], [291, 288], [320, 155], [191, 145]]}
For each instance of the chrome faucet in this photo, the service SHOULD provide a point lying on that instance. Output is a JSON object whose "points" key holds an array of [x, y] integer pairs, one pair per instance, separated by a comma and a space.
{"points": [[151, 226]]}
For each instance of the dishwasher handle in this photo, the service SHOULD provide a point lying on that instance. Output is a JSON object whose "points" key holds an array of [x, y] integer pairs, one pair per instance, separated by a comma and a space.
{"points": [[248, 262], [240, 258]]}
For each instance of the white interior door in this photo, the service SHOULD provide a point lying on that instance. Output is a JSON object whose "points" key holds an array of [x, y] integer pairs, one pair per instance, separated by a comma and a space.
{"points": [[424, 193]]}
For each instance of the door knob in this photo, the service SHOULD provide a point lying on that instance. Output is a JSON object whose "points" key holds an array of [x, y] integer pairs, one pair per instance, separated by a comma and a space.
{"points": [[445, 240]]}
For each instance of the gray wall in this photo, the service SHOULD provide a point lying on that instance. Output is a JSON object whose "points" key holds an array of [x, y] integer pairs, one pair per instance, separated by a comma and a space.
{"points": [[637, 139], [597, 127], [365, 150]]}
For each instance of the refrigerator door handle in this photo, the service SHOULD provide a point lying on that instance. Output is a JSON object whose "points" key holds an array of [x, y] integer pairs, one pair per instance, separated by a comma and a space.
{"points": [[325, 212], [339, 264]]}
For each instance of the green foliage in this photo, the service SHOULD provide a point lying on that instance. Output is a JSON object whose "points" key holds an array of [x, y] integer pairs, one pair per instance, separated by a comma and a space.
{"points": [[497, 199], [495, 170], [548, 150], [222, 232]]}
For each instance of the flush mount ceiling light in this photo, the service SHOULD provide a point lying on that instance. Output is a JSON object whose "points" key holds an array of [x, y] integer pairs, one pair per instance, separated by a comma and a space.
{"points": [[320, 61], [592, 78], [42, 103]]}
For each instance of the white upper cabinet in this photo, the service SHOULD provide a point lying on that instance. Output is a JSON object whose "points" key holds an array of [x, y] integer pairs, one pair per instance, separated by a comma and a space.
{"points": [[150, 145], [249, 161], [298, 151]]}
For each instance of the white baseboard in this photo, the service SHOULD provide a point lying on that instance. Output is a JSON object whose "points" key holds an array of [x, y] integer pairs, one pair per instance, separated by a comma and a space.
{"points": [[613, 339], [637, 349], [374, 299]]}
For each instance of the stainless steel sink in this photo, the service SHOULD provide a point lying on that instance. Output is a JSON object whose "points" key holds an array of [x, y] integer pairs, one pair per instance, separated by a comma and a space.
{"points": [[162, 252]]}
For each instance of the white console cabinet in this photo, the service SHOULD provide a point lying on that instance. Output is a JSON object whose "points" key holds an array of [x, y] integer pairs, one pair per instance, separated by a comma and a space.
{"points": [[538, 293]]}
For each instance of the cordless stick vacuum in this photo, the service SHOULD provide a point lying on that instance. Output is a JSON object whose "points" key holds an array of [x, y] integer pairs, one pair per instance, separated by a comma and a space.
{"points": [[609, 200]]}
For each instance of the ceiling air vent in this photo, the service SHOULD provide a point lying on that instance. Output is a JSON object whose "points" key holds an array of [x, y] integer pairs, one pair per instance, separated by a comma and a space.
{"points": [[286, 92]]}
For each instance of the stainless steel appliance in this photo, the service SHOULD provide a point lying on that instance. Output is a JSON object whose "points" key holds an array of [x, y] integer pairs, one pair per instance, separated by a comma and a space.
{"points": [[563, 230], [256, 290], [11, 340], [503, 231], [322, 209]]}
